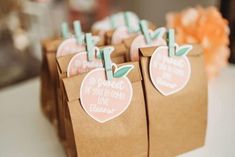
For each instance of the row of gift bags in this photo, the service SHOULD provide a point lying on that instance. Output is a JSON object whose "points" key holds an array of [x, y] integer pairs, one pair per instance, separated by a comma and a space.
{"points": [[148, 124]]}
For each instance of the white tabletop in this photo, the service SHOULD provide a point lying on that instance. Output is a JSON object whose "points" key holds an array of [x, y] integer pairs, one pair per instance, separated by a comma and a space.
{"points": [[25, 132]]}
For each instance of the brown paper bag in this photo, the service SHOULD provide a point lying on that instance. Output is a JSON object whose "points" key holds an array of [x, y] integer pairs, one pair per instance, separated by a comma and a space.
{"points": [[124, 136], [177, 123], [118, 56], [48, 79]]}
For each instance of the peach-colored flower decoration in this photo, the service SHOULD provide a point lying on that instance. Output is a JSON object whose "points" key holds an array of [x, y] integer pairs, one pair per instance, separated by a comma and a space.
{"points": [[204, 26]]}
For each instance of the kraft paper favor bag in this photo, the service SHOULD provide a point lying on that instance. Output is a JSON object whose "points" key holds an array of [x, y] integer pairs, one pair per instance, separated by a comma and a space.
{"points": [[125, 135], [118, 56], [177, 122], [49, 79]]}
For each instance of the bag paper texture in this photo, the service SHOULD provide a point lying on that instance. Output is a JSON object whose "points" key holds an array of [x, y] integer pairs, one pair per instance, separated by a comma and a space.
{"points": [[177, 123]]}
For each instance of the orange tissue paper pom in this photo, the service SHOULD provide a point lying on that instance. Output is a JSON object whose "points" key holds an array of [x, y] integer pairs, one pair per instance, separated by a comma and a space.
{"points": [[207, 27]]}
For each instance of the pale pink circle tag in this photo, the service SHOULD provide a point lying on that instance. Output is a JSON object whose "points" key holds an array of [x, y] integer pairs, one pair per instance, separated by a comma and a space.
{"points": [[79, 64], [69, 46], [120, 34], [102, 99], [139, 42], [169, 74]]}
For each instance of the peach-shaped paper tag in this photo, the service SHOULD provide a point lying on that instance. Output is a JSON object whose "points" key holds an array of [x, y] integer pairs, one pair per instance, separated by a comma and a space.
{"points": [[69, 46], [139, 42], [120, 34], [79, 64], [169, 74], [104, 99]]}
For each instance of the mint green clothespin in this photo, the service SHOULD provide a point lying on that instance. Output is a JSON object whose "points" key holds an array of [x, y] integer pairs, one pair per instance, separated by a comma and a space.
{"points": [[106, 52], [65, 30], [171, 42], [145, 31], [89, 46], [112, 21], [127, 21], [78, 31]]}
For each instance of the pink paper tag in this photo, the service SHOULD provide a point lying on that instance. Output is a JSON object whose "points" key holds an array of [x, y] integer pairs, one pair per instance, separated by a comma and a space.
{"points": [[139, 42], [102, 99], [79, 64], [69, 46], [120, 34], [169, 74]]}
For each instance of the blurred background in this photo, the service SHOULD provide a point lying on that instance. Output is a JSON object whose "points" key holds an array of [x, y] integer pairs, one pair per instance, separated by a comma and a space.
{"points": [[24, 23]]}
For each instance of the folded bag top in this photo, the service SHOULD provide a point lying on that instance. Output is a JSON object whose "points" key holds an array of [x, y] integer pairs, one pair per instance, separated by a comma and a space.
{"points": [[118, 56], [72, 84], [148, 51]]}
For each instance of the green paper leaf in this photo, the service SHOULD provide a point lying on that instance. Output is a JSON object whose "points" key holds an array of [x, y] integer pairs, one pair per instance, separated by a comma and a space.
{"points": [[122, 71], [158, 33], [183, 50]]}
